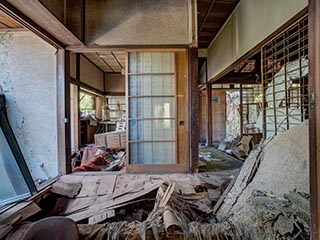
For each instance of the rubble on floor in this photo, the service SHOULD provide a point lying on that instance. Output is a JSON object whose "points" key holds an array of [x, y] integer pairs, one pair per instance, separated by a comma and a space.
{"points": [[99, 159], [239, 149], [128, 205], [270, 197], [267, 199], [212, 159]]}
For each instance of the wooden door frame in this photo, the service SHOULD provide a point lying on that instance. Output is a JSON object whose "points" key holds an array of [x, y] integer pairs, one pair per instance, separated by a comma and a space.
{"points": [[314, 119]]}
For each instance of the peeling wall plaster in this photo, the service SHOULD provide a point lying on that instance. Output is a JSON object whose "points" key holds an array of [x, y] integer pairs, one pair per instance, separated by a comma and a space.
{"points": [[28, 77]]}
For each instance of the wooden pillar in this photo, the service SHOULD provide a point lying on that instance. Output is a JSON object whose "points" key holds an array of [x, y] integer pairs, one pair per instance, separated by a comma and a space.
{"points": [[209, 113], [314, 101], [194, 108], [241, 111], [67, 112]]}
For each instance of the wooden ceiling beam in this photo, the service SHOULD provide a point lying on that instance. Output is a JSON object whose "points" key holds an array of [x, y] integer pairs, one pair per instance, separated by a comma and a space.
{"points": [[105, 62], [206, 15], [115, 57]]}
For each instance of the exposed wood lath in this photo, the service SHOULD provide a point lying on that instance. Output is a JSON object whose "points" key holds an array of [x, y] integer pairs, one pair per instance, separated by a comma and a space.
{"points": [[211, 16], [7, 22], [108, 61]]}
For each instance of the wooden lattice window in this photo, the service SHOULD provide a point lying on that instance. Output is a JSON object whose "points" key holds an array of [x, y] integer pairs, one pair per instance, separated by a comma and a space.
{"points": [[285, 78]]}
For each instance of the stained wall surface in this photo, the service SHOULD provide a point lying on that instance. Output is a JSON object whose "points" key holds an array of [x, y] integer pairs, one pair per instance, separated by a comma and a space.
{"points": [[250, 23], [90, 74], [28, 77], [115, 83], [118, 22]]}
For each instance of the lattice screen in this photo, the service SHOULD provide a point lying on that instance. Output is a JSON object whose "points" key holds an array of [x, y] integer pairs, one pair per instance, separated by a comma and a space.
{"points": [[285, 79]]}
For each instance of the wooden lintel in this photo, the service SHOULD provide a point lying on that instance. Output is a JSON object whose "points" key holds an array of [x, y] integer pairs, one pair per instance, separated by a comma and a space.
{"points": [[235, 80], [29, 24], [40, 15], [101, 48], [92, 89], [114, 93]]}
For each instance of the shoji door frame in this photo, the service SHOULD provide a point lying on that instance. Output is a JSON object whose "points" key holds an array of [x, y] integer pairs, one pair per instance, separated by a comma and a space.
{"points": [[163, 168]]}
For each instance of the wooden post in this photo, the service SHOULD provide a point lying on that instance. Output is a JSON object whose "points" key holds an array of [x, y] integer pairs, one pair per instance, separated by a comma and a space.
{"points": [[241, 111], [209, 113], [67, 112], [194, 108], [314, 128]]}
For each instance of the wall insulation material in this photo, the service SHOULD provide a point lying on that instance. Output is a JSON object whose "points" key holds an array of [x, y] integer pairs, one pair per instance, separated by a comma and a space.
{"points": [[28, 77], [90, 74], [137, 22], [250, 23]]}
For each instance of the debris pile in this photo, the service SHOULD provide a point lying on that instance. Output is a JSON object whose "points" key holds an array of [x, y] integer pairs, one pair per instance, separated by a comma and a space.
{"points": [[239, 149], [99, 159], [270, 197]]}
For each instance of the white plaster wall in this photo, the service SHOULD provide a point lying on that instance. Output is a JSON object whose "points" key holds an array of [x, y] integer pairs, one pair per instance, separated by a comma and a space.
{"points": [[28, 77], [90, 74], [250, 23]]}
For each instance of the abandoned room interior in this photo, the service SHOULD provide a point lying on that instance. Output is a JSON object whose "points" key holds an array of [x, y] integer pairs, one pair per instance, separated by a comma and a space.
{"points": [[184, 119]]}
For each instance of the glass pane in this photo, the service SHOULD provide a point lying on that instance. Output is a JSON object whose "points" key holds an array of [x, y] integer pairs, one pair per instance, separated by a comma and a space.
{"points": [[155, 85], [140, 130], [159, 148], [152, 153], [12, 184], [150, 130], [163, 130], [152, 107], [151, 62]]}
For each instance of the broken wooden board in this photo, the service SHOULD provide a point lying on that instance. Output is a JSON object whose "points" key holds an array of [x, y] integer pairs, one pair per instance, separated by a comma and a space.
{"points": [[101, 216], [111, 203], [23, 209]]}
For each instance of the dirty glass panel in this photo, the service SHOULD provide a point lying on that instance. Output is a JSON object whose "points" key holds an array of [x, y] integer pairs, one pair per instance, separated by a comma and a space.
{"points": [[151, 62], [163, 130], [141, 153], [151, 85], [12, 184], [152, 130], [152, 153], [163, 153], [140, 107], [151, 107], [163, 107], [140, 130]]}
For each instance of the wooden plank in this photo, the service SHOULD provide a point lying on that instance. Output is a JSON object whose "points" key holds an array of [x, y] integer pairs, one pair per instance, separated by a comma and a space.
{"points": [[101, 216], [314, 128], [107, 184], [90, 186], [23, 209], [113, 203], [223, 196]]}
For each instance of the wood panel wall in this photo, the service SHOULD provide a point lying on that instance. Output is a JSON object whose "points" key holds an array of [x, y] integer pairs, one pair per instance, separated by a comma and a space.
{"points": [[219, 116]]}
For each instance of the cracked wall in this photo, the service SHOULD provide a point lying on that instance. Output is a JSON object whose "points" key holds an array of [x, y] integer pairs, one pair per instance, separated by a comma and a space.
{"points": [[28, 77]]}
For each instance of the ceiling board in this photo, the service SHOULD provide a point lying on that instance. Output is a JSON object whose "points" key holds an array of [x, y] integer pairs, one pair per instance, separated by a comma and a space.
{"points": [[210, 22], [108, 61]]}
